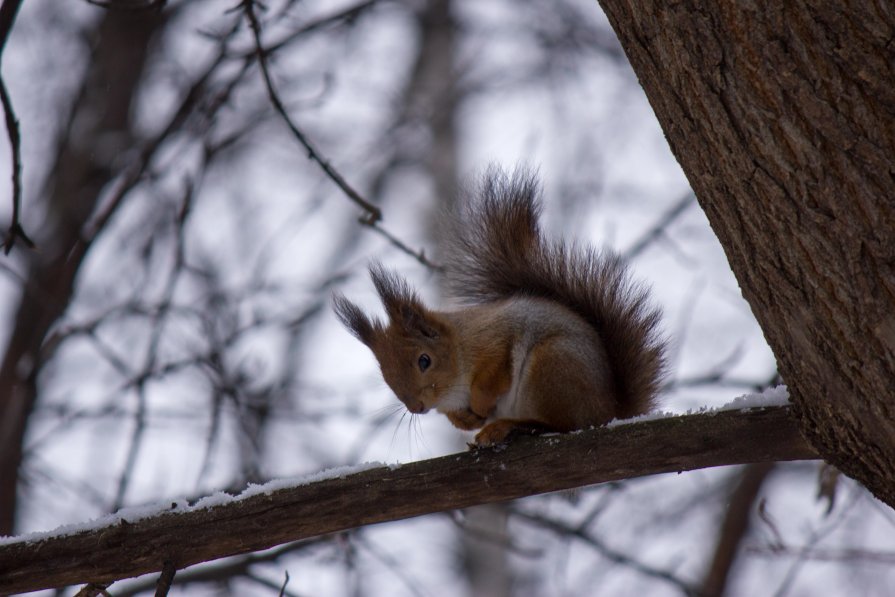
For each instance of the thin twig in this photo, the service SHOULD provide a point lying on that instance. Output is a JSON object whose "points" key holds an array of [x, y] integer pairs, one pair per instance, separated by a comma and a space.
{"points": [[659, 228], [607, 552], [817, 535], [395, 241], [285, 582], [8, 12], [264, 582], [374, 214], [843, 555], [343, 15]]}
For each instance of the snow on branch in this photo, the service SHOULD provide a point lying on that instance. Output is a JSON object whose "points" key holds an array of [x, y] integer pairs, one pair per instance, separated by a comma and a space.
{"points": [[134, 542]]}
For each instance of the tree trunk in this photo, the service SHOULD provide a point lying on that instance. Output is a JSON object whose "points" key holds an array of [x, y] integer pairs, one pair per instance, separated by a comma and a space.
{"points": [[782, 115], [99, 133]]}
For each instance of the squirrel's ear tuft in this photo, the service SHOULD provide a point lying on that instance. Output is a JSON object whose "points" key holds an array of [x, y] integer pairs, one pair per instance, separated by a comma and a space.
{"points": [[403, 306], [395, 292], [354, 319]]}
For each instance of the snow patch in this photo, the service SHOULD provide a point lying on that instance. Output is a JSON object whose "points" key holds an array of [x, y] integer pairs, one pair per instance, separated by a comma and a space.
{"points": [[137, 513], [776, 396]]}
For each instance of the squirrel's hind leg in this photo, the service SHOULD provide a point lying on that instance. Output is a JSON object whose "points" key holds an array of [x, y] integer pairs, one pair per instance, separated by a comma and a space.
{"points": [[563, 388]]}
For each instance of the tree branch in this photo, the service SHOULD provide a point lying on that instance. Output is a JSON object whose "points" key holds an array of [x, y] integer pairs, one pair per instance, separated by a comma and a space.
{"points": [[528, 466], [8, 12], [734, 527], [373, 213], [660, 227]]}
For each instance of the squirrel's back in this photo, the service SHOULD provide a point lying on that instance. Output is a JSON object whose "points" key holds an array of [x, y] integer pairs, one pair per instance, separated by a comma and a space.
{"points": [[496, 251]]}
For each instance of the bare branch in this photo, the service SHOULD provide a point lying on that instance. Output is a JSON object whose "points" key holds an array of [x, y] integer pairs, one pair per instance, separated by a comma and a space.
{"points": [[341, 16], [580, 533], [129, 5], [285, 582], [842, 555], [8, 12], [396, 242], [373, 213], [734, 527], [528, 466], [163, 585], [685, 201]]}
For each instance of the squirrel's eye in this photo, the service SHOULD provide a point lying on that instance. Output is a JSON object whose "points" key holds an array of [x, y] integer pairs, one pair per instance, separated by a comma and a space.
{"points": [[424, 362]]}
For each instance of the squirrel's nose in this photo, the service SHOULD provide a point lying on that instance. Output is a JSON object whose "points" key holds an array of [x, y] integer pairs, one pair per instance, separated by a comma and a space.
{"points": [[415, 406]]}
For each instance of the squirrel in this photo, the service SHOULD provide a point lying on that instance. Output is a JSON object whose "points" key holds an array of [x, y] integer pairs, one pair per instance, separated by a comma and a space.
{"points": [[549, 337]]}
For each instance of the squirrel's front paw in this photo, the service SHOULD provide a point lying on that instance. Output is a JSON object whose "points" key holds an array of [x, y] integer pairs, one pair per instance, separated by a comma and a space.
{"points": [[465, 419], [499, 431], [494, 433]]}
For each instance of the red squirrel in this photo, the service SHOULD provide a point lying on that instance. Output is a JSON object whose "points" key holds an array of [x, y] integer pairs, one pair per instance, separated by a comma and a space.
{"points": [[550, 337]]}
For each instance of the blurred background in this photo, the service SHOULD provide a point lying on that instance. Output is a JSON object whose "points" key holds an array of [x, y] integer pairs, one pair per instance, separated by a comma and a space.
{"points": [[198, 177]]}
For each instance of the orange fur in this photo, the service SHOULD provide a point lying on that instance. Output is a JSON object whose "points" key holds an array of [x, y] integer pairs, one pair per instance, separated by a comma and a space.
{"points": [[491, 378], [497, 432], [465, 419]]}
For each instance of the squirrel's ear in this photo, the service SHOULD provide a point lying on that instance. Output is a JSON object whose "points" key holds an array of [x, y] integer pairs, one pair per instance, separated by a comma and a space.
{"points": [[403, 306], [354, 319], [419, 321]]}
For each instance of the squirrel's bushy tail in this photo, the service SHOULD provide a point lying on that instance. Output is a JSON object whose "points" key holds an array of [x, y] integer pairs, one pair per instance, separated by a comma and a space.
{"points": [[496, 251]]}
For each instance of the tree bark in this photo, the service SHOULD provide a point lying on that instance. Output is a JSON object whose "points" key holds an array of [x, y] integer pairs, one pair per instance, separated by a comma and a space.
{"points": [[782, 115], [527, 466]]}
